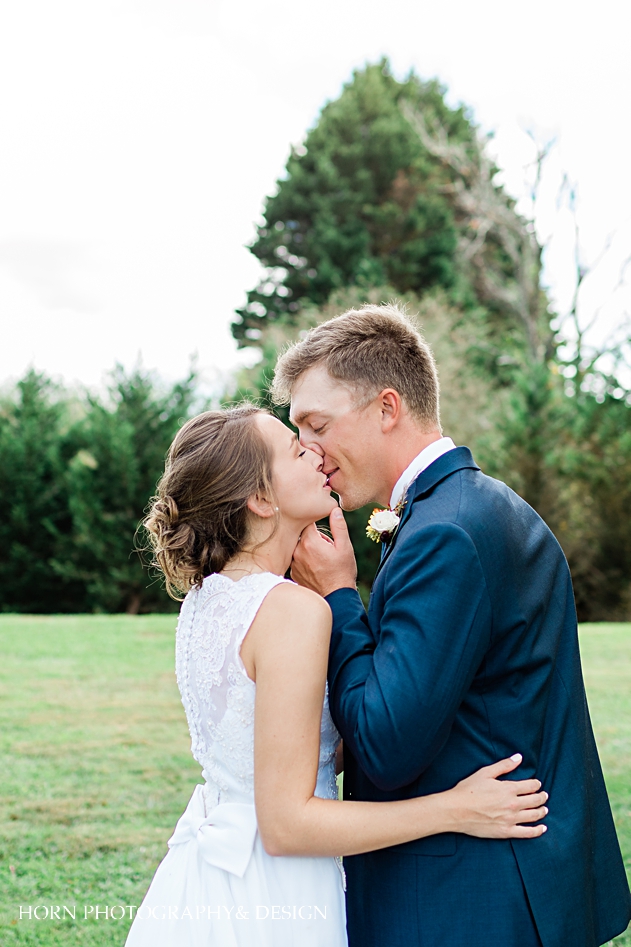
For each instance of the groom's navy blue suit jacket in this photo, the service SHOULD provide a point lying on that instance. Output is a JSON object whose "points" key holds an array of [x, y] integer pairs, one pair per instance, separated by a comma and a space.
{"points": [[468, 654]]}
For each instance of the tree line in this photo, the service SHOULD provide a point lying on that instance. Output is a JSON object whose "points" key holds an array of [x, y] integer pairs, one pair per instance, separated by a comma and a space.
{"points": [[391, 196], [75, 477]]}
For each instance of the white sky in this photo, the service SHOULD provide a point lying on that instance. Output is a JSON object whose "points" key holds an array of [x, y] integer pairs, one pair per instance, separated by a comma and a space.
{"points": [[140, 137]]}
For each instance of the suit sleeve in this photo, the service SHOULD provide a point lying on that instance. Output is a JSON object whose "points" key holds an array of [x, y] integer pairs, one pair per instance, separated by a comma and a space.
{"points": [[394, 690]]}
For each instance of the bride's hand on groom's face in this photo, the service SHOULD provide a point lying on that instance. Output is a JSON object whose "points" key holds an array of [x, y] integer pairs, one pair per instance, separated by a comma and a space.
{"points": [[324, 564]]}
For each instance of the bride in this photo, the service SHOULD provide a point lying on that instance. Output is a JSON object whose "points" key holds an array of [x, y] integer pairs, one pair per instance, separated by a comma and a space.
{"points": [[254, 860]]}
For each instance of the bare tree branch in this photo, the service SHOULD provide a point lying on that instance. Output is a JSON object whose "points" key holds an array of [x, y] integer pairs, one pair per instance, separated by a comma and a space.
{"points": [[584, 356], [488, 221], [486, 216]]}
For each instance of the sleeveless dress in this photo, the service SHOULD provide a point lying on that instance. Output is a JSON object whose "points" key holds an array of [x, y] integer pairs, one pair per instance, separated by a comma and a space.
{"points": [[217, 886]]}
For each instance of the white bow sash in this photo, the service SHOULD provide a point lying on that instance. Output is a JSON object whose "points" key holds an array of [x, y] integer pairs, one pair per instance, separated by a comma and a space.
{"points": [[225, 837]]}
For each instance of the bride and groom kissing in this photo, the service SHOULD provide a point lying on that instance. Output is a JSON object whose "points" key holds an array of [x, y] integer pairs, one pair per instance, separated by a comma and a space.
{"points": [[468, 652]]}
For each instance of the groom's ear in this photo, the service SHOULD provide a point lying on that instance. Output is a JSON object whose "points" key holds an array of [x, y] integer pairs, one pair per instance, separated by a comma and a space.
{"points": [[390, 406]]}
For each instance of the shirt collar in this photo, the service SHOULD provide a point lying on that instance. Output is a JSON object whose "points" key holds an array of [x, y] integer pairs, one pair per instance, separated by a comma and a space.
{"points": [[427, 456]]}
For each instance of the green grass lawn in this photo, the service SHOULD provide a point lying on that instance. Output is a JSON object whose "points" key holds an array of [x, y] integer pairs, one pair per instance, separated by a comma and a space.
{"points": [[96, 766]]}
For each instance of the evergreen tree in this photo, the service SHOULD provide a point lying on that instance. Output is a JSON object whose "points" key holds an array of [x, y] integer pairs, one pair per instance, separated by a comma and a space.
{"points": [[593, 473], [367, 201], [119, 449], [361, 203], [34, 499]]}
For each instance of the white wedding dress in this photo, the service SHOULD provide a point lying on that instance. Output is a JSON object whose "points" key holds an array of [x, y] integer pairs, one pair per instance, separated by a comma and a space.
{"points": [[217, 885]]}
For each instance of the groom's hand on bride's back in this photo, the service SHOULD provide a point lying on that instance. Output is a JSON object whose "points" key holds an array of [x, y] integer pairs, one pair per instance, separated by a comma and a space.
{"points": [[324, 564]]}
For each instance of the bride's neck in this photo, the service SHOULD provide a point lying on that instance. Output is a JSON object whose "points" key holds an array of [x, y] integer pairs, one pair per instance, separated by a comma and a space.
{"points": [[274, 554]]}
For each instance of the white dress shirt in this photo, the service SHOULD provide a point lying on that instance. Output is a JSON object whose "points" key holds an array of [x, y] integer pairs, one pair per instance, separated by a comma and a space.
{"points": [[421, 462]]}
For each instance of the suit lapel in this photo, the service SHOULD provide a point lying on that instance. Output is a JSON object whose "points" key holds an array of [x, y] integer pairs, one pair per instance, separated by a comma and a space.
{"points": [[458, 459], [387, 547]]}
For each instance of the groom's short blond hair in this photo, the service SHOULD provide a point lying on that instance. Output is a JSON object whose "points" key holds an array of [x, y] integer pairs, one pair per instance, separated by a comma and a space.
{"points": [[367, 349]]}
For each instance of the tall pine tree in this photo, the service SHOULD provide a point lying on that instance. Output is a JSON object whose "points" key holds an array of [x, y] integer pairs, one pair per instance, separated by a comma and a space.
{"points": [[369, 201]]}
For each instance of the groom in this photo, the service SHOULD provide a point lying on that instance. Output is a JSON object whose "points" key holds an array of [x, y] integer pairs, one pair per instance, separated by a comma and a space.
{"points": [[468, 654]]}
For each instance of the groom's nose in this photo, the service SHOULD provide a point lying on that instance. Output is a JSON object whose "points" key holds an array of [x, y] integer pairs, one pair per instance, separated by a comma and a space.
{"points": [[311, 444]]}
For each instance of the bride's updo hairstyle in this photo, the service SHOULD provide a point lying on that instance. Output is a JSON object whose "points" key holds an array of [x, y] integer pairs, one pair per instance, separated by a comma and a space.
{"points": [[199, 518]]}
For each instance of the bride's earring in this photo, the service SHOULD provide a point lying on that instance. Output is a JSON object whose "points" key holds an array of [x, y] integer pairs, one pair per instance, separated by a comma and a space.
{"points": [[276, 509]]}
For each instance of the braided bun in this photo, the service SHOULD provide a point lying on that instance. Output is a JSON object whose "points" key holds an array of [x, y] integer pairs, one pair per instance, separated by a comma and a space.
{"points": [[199, 519]]}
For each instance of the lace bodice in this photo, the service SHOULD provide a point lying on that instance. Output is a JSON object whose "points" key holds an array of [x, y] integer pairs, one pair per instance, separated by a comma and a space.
{"points": [[217, 694]]}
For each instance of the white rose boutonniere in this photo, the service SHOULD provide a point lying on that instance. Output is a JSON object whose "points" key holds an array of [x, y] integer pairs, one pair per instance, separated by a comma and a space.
{"points": [[382, 525]]}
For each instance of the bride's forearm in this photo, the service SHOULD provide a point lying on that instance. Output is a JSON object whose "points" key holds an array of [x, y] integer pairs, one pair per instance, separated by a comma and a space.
{"points": [[482, 804], [325, 827]]}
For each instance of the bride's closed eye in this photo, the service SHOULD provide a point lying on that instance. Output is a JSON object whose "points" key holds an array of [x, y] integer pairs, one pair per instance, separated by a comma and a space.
{"points": [[302, 453]]}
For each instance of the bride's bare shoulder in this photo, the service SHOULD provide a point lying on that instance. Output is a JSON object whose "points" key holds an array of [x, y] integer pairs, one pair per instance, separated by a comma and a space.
{"points": [[289, 605], [291, 597], [292, 622]]}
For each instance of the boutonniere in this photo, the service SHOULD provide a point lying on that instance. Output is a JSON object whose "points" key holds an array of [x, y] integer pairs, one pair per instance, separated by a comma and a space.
{"points": [[383, 524]]}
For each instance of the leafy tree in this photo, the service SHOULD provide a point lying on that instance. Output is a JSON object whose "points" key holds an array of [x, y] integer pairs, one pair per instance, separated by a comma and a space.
{"points": [[593, 525], [34, 499], [118, 452], [393, 187], [362, 203]]}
